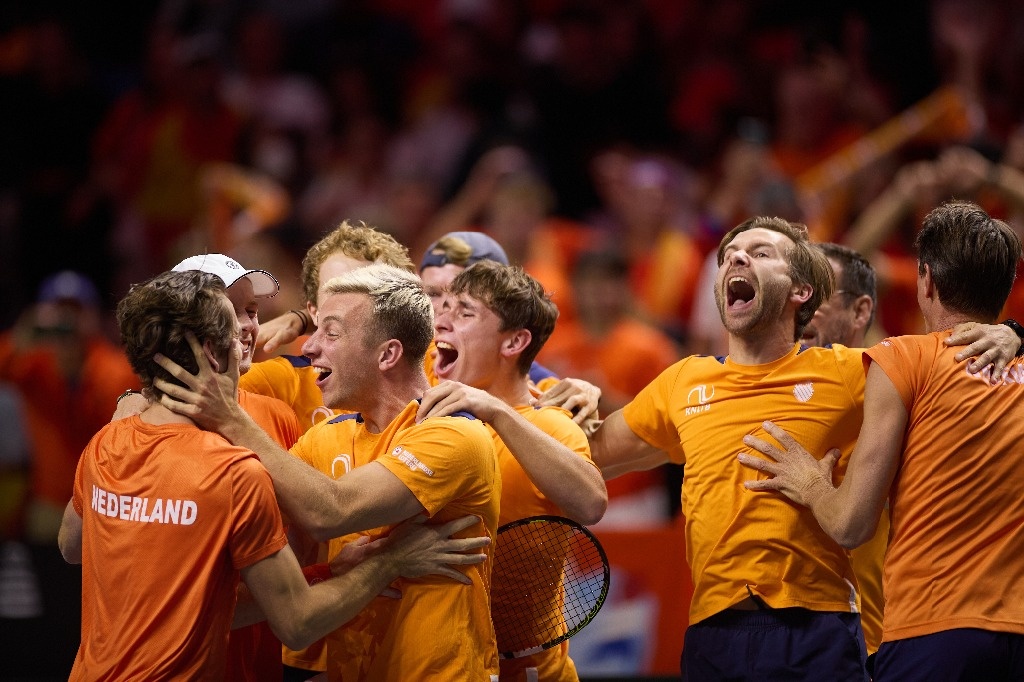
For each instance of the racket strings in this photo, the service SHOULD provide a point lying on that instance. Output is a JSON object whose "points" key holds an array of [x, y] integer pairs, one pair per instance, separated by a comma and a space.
{"points": [[548, 579]]}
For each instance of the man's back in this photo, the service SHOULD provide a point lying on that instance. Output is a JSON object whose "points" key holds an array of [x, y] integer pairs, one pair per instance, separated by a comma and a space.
{"points": [[437, 630], [170, 514], [956, 539]]}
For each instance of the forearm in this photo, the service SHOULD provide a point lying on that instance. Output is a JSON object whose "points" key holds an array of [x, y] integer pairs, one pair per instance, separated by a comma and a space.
{"points": [[69, 537], [840, 517], [570, 481], [616, 450], [877, 222], [328, 605]]}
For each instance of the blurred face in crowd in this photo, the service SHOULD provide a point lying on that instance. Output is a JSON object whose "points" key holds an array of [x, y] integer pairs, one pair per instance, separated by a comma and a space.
{"points": [[246, 310], [436, 279], [835, 321]]}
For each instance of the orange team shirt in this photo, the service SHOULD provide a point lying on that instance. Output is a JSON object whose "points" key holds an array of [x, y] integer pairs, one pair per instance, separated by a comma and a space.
{"points": [[439, 630], [957, 526], [742, 543], [520, 498], [170, 514], [254, 651]]}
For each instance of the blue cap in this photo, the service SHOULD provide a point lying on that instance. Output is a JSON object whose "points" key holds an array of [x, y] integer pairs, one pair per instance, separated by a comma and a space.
{"points": [[481, 248], [69, 285]]}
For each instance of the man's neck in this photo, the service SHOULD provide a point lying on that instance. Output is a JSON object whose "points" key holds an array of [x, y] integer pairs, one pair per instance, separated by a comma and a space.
{"points": [[947, 319], [158, 415], [759, 349], [390, 400], [513, 389]]}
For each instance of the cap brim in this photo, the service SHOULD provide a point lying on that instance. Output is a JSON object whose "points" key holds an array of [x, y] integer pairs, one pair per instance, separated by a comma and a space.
{"points": [[264, 285]]}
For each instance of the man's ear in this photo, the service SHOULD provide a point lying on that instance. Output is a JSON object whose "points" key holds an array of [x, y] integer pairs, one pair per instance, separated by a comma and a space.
{"points": [[801, 293], [211, 357], [862, 309], [390, 354], [925, 283], [516, 342]]}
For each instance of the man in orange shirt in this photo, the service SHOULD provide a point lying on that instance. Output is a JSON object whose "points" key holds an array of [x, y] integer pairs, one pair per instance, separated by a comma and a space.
{"points": [[374, 327], [493, 320], [154, 483], [941, 444], [773, 595]]}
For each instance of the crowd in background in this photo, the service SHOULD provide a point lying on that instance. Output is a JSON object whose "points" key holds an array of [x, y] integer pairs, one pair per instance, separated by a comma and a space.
{"points": [[606, 144]]}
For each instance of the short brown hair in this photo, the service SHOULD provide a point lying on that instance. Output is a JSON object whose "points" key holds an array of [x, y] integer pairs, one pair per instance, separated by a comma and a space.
{"points": [[155, 315], [972, 256], [516, 298], [358, 241], [807, 264]]}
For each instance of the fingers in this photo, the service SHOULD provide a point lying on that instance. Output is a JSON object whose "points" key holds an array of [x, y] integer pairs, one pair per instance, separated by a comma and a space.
{"points": [[786, 440], [762, 446], [466, 545]]}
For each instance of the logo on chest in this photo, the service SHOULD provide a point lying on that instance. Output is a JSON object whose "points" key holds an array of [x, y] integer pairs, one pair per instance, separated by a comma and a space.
{"points": [[803, 392], [698, 398]]}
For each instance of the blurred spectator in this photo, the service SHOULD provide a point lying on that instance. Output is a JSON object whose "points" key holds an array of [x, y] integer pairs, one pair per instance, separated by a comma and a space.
{"points": [[610, 346], [70, 376]]}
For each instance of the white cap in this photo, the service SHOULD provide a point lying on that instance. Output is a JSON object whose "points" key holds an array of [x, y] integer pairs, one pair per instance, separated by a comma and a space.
{"points": [[230, 271]]}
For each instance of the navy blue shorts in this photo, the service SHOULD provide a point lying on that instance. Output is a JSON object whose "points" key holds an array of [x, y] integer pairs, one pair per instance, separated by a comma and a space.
{"points": [[787, 645], [962, 654]]}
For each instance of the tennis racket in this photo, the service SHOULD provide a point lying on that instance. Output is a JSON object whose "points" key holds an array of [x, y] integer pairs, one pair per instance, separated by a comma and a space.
{"points": [[550, 578]]}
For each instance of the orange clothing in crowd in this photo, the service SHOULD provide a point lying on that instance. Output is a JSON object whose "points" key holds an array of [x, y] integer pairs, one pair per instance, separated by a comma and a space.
{"points": [[170, 514], [61, 416], [956, 540]]}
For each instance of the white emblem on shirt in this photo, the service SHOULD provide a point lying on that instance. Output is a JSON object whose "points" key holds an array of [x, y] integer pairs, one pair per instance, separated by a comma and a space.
{"points": [[803, 392], [346, 465], [701, 393], [410, 460]]}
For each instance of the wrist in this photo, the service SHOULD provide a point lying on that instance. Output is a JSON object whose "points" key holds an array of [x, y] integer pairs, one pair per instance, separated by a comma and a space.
{"points": [[1018, 329], [304, 319], [130, 391]]}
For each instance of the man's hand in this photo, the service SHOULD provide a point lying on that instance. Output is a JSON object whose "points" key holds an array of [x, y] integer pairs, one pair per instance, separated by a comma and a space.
{"points": [[280, 331], [355, 553], [211, 397], [992, 345], [796, 474], [449, 397], [576, 395], [416, 549]]}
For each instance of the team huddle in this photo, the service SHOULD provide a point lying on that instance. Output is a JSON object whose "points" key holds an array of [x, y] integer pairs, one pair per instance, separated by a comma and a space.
{"points": [[847, 510]]}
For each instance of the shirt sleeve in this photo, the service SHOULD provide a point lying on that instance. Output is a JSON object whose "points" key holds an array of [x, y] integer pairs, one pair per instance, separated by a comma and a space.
{"points": [[649, 414], [443, 459], [898, 360], [256, 527]]}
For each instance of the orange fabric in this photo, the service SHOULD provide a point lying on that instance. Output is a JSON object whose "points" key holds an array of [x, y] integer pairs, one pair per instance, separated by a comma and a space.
{"points": [[170, 514], [290, 379], [439, 630], [63, 417], [254, 651], [957, 525], [520, 498], [741, 543]]}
